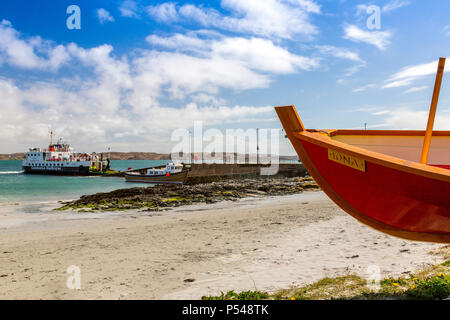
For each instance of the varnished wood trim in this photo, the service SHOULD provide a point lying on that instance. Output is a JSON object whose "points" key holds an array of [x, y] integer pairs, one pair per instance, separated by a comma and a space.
{"points": [[432, 114], [375, 157], [285, 114], [406, 133]]}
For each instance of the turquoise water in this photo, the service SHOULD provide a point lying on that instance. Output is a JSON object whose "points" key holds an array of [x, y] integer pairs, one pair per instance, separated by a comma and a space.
{"points": [[18, 187]]}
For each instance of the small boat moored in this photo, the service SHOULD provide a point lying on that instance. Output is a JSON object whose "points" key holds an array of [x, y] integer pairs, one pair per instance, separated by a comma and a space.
{"points": [[170, 174]]}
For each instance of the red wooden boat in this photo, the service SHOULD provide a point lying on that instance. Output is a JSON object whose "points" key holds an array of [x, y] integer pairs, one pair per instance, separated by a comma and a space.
{"points": [[397, 182]]}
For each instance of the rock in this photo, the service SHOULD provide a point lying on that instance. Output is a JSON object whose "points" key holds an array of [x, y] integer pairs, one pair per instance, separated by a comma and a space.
{"points": [[189, 280], [167, 196]]}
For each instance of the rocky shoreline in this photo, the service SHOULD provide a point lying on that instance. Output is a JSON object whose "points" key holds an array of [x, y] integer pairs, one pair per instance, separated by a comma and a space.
{"points": [[163, 197]]}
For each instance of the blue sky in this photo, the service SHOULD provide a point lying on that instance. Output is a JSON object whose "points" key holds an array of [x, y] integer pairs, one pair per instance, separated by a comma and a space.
{"points": [[138, 70]]}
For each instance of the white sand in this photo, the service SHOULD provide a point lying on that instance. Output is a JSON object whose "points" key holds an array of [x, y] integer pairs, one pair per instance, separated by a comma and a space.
{"points": [[267, 244]]}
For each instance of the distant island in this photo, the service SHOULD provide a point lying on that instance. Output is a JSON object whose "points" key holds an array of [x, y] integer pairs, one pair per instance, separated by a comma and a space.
{"points": [[12, 156], [138, 156], [114, 156], [130, 156]]}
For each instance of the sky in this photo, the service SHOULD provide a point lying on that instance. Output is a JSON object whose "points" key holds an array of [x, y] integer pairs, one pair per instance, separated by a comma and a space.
{"points": [[132, 72]]}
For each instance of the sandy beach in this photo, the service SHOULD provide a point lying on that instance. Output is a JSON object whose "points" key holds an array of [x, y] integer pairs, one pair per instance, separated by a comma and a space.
{"points": [[266, 244]]}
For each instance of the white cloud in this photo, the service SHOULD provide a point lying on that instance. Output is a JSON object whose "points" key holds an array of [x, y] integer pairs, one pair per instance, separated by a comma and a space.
{"points": [[211, 116], [203, 63], [116, 101], [254, 53], [380, 113], [342, 53], [408, 119], [23, 53], [408, 75], [179, 42], [415, 89], [398, 83], [260, 54], [129, 9], [346, 54], [380, 39], [206, 99], [181, 74], [364, 88], [394, 5], [89, 113], [308, 5], [165, 12], [94, 121], [104, 16], [270, 18]]}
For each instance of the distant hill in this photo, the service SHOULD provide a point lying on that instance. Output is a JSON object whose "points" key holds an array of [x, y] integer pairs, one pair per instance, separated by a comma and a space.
{"points": [[129, 156], [289, 158], [12, 156], [138, 156], [114, 156]]}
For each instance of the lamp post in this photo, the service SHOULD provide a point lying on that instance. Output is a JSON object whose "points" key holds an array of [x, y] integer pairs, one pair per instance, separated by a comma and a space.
{"points": [[190, 148], [257, 146]]}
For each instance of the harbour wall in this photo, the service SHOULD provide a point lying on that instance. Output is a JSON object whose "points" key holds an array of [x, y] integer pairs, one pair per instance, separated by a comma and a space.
{"points": [[203, 173]]}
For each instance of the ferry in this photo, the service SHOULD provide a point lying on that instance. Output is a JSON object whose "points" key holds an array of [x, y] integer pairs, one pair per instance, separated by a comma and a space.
{"points": [[170, 174], [60, 159]]}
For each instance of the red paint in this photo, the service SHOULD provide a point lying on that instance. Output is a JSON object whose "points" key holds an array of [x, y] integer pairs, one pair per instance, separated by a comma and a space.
{"points": [[400, 199], [443, 166]]}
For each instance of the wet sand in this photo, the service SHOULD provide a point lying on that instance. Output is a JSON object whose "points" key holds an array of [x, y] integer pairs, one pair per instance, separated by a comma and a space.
{"points": [[265, 244]]}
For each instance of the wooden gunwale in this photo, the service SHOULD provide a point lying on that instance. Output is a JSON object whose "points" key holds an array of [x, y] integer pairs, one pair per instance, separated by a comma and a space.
{"points": [[406, 133], [376, 157]]}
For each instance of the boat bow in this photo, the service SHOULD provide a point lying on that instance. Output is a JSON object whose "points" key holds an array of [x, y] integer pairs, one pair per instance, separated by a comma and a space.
{"points": [[396, 196]]}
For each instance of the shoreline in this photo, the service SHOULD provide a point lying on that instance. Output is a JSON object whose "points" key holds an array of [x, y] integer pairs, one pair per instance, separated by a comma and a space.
{"points": [[162, 197], [268, 243], [47, 211]]}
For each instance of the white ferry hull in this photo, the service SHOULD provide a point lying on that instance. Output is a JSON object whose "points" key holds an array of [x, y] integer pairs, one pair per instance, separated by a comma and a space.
{"points": [[66, 171]]}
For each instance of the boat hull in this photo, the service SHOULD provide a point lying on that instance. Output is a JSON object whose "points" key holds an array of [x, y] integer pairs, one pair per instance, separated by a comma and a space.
{"points": [[62, 171], [400, 200], [176, 178]]}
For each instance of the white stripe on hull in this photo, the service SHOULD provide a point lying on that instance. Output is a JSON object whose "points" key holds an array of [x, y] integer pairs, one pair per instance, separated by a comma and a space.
{"points": [[155, 182], [178, 178]]}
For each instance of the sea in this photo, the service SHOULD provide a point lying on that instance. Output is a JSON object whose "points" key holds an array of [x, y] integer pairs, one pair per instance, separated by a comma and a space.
{"points": [[19, 188]]}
